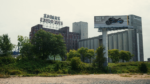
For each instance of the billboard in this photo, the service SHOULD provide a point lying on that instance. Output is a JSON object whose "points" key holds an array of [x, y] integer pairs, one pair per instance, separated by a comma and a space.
{"points": [[111, 21]]}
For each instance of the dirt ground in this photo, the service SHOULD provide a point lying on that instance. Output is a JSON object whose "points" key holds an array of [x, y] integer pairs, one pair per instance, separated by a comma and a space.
{"points": [[80, 79]]}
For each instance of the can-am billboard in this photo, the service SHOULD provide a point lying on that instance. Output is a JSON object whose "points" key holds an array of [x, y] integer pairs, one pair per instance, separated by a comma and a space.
{"points": [[110, 21]]}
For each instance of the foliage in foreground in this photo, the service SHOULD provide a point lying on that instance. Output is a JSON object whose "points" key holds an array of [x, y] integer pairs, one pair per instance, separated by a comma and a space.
{"points": [[143, 67], [75, 62], [128, 67], [36, 67], [100, 59]]}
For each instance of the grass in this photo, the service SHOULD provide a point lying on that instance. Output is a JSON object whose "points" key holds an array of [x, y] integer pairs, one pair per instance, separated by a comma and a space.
{"points": [[128, 67]]}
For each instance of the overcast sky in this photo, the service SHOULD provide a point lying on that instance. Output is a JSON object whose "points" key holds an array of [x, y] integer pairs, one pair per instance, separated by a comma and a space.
{"points": [[18, 16]]}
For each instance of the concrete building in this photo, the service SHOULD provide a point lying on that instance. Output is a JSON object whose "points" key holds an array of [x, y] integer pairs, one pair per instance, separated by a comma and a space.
{"points": [[128, 40], [148, 59], [81, 28]]}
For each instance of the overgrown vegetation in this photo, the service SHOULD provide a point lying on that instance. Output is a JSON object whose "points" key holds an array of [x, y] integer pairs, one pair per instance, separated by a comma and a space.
{"points": [[143, 67], [75, 62], [129, 67], [36, 67], [34, 61], [115, 55], [100, 59]]}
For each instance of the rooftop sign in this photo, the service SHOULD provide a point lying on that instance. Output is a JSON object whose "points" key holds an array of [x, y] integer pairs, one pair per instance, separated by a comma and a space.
{"points": [[51, 19]]}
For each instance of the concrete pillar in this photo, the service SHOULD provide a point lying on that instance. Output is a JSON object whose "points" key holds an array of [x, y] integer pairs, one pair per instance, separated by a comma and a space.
{"points": [[105, 44], [138, 47]]}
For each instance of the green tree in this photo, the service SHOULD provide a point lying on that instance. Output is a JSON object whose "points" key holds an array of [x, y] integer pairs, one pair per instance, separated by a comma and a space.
{"points": [[5, 45], [125, 55], [130, 55], [46, 43], [114, 55], [60, 47], [75, 62], [43, 43], [90, 54], [25, 47], [71, 54], [100, 59], [27, 50], [83, 52], [22, 40]]}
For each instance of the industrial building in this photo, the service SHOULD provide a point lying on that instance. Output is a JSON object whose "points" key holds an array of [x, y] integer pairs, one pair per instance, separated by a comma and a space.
{"points": [[128, 40], [81, 28], [148, 59]]}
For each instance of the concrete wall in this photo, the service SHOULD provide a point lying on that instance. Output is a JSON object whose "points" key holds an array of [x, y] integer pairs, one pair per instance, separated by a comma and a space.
{"points": [[76, 27], [136, 22], [120, 42], [82, 28]]}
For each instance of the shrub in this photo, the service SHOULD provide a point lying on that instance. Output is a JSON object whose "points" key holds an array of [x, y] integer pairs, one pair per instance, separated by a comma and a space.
{"points": [[65, 71], [84, 66], [133, 70], [7, 60], [72, 71], [75, 62], [106, 69], [36, 71], [143, 67], [60, 71], [14, 72], [57, 66], [65, 63], [125, 71]]}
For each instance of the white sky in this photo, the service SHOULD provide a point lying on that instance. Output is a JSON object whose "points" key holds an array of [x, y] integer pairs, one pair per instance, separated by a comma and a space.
{"points": [[18, 16]]}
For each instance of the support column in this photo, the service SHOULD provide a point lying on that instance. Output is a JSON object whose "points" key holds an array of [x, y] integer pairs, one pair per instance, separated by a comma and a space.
{"points": [[138, 47], [105, 44]]}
